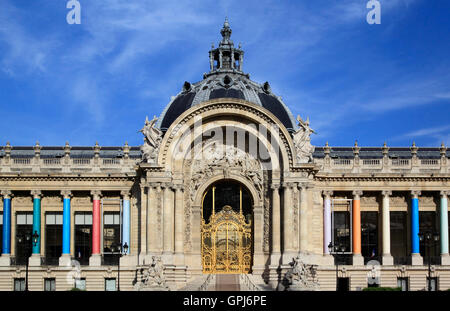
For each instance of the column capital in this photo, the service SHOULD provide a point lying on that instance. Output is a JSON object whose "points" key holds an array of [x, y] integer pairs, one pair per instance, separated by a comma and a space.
{"points": [[386, 193], [357, 194], [288, 185], [96, 194], [7, 194], [66, 194], [125, 194], [36, 194], [166, 185], [275, 186], [178, 187], [154, 184], [444, 193], [327, 193], [303, 185], [415, 194]]}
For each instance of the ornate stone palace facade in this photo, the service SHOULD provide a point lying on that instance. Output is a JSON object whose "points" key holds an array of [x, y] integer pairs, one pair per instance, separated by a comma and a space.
{"points": [[226, 181]]}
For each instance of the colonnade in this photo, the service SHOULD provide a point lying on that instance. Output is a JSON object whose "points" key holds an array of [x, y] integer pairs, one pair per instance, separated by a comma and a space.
{"points": [[385, 218], [67, 239]]}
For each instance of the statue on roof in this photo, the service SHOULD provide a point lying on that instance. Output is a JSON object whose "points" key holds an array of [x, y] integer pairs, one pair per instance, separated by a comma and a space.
{"points": [[152, 140], [302, 141]]}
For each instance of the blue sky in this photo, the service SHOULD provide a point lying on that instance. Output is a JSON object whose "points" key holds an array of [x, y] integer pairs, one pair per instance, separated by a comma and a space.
{"points": [[97, 81]]}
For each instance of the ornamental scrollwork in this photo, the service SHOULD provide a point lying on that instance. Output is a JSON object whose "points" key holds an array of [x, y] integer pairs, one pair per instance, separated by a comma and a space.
{"points": [[224, 158]]}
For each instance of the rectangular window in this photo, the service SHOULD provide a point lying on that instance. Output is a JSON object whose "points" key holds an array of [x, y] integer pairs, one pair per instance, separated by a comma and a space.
{"points": [[429, 251], [24, 228], [19, 284], [83, 237], [111, 238], [403, 283], [369, 235], [341, 222], [110, 284], [399, 236], [53, 237], [433, 283], [80, 283], [49, 284]]}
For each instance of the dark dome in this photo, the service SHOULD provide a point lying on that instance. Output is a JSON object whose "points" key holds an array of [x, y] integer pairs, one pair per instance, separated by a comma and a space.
{"points": [[226, 80]]}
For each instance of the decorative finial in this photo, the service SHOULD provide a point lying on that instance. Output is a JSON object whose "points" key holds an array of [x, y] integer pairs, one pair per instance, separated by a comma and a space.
{"points": [[414, 144], [384, 145], [326, 144], [226, 31], [356, 143]]}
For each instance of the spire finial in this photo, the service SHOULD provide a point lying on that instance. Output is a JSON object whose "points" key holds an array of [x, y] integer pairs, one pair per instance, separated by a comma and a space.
{"points": [[226, 31]]}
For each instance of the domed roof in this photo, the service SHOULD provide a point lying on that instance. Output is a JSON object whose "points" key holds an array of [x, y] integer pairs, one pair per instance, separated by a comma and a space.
{"points": [[226, 80]]}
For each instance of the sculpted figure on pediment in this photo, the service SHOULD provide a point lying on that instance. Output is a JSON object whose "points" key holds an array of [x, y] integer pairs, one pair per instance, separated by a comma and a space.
{"points": [[302, 141], [152, 140]]}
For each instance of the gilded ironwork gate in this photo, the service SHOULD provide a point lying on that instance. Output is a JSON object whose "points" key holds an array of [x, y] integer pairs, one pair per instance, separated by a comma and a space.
{"points": [[226, 243]]}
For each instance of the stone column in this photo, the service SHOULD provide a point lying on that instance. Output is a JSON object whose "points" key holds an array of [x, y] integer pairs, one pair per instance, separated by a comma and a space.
{"points": [[303, 238], [415, 243], [327, 220], [179, 225], [196, 257], [35, 259], [445, 258], [127, 259], [143, 222], [168, 247], [152, 235], [386, 227], [288, 214], [276, 240], [96, 259], [258, 243], [5, 259], [65, 259], [126, 219], [358, 259]]}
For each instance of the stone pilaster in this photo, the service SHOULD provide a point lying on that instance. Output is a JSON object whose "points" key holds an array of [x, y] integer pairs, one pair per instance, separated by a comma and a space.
{"points": [[288, 214], [168, 223], [179, 225]]}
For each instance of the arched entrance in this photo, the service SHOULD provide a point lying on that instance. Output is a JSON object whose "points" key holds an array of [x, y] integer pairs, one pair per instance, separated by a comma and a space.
{"points": [[226, 228]]}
